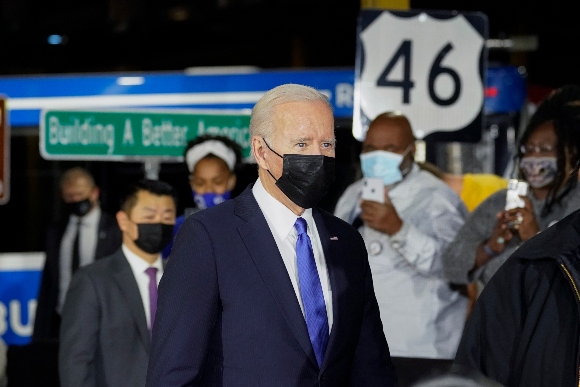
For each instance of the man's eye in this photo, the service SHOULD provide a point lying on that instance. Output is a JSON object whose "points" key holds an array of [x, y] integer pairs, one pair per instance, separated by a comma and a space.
{"points": [[301, 145], [328, 145]]}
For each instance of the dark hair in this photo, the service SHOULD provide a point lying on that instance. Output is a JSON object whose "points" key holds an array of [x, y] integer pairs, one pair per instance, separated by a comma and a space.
{"points": [[156, 187], [562, 109], [234, 146]]}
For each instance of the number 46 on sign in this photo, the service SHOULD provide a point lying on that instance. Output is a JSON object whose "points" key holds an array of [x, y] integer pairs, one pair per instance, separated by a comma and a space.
{"points": [[428, 65]]}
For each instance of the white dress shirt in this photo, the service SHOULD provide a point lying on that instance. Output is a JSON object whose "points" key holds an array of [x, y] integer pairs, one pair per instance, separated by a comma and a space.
{"points": [[422, 317], [87, 247], [139, 265], [281, 222]]}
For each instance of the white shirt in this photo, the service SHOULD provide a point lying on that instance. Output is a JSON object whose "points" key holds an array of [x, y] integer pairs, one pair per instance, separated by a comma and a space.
{"points": [[139, 265], [87, 248], [281, 222], [422, 317]]}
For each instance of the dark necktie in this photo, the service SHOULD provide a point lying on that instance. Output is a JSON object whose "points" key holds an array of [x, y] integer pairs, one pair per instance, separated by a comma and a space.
{"points": [[311, 292], [152, 273], [76, 254]]}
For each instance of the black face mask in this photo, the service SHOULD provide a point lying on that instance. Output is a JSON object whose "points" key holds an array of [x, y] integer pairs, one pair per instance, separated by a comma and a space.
{"points": [[305, 178], [80, 208], [153, 237]]}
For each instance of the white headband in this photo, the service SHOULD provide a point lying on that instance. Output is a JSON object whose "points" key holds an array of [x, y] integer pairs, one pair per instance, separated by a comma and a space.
{"points": [[203, 149]]}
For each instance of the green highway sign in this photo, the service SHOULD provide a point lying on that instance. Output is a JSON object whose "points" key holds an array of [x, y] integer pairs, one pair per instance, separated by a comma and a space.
{"points": [[137, 134]]}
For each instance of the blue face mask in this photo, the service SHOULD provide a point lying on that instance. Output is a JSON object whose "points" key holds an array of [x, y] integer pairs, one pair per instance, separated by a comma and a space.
{"points": [[209, 199], [382, 164]]}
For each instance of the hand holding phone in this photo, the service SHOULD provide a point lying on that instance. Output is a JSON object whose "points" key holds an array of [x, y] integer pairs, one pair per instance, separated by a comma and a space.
{"points": [[515, 189], [373, 189]]}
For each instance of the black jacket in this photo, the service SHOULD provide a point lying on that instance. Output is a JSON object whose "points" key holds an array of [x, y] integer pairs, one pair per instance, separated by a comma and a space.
{"points": [[524, 328], [46, 323]]}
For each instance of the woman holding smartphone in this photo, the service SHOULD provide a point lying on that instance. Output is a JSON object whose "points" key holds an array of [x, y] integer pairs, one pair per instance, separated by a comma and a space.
{"points": [[548, 151]]}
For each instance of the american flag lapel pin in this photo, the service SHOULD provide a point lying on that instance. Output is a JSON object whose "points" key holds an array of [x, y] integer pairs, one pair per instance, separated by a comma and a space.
{"points": [[334, 238]]}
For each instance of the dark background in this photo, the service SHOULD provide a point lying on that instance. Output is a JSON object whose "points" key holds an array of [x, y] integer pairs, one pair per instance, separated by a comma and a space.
{"points": [[153, 35], [146, 35]]}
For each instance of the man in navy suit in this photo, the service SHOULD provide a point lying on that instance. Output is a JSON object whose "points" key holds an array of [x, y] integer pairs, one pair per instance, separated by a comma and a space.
{"points": [[233, 309]]}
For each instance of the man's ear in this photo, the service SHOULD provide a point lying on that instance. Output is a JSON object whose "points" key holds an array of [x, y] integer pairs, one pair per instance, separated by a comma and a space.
{"points": [[122, 220], [94, 197], [259, 151]]}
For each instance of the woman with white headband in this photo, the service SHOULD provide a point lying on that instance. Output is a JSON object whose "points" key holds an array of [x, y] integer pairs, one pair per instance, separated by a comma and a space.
{"points": [[211, 161]]}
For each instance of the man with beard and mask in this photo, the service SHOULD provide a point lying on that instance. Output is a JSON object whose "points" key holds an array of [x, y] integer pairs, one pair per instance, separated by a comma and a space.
{"points": [[405, 236], [85, 235], [111, 304], [265, 289], [211, 162], [548, 151]]}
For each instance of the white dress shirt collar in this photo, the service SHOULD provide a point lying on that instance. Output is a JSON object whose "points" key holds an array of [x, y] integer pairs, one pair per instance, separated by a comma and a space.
{"points": [[92, 218], [138, 264], [279, 216]]}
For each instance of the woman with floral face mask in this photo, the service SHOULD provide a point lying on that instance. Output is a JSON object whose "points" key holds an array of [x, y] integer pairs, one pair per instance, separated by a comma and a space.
{"points": [[211, 161], [548, 151]]}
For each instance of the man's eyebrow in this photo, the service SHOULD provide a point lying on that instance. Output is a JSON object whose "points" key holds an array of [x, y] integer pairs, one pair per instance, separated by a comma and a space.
{"points": [[302, 139]]}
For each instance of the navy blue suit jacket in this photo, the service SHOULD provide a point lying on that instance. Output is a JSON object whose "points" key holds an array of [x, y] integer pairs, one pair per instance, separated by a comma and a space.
{"points": [[228, 314]]}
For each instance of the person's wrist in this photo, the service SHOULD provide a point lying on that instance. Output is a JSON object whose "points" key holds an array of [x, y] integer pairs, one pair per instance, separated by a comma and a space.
{"points": [[489, 251]]}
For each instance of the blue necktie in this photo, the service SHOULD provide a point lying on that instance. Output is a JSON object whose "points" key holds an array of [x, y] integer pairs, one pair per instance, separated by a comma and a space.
{"points": [[311, 292]]}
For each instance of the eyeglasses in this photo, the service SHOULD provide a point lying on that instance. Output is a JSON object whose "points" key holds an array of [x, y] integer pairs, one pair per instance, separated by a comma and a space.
{"points": [[531, 148]]}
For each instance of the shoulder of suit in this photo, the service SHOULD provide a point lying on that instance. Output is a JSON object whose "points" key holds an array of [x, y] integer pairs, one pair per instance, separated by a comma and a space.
{"points": [[103, 263], [559, 238], [108, 218], [335, 222]]}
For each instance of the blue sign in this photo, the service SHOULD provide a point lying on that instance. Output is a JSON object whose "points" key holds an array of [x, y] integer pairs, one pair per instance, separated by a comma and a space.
{"points": [[19, 283], [505, 90], [28, 95]]}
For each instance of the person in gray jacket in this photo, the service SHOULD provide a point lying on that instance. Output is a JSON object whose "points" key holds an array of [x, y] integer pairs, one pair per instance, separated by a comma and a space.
{"points": [[110, 306], [548, 151]]}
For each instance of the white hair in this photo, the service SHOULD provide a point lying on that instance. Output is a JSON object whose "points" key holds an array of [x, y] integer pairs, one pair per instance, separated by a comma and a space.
{"points": [[263, 111]]}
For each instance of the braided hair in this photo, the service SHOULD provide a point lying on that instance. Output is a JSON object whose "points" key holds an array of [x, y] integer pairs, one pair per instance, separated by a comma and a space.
{"points": [[562, 109]]}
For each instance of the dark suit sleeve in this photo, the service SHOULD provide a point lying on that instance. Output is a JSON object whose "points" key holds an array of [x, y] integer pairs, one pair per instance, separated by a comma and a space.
{"points": [[46, 302], [187, 310], [372, 361], [79, 333]]}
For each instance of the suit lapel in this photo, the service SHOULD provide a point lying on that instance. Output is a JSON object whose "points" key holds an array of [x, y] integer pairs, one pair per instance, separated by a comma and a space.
{"points": [[333, 255], [104, 236], [125, 280], [264, 252]]}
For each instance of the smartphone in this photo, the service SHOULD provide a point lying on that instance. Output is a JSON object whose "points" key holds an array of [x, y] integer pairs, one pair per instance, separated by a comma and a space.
{"points": [[373, 189], [515, 189]]}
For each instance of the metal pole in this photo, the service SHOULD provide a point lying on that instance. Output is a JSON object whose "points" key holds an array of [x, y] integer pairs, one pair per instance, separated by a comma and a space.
{"points": [[152, 167]]}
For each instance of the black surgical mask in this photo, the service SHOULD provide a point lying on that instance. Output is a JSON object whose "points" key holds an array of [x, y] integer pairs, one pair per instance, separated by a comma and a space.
{"points": [[153, 237], [80, 208], [305, 178]]}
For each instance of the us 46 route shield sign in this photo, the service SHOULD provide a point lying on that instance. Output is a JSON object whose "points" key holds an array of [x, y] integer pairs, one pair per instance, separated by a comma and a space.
{"points": [[428, 65]]}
